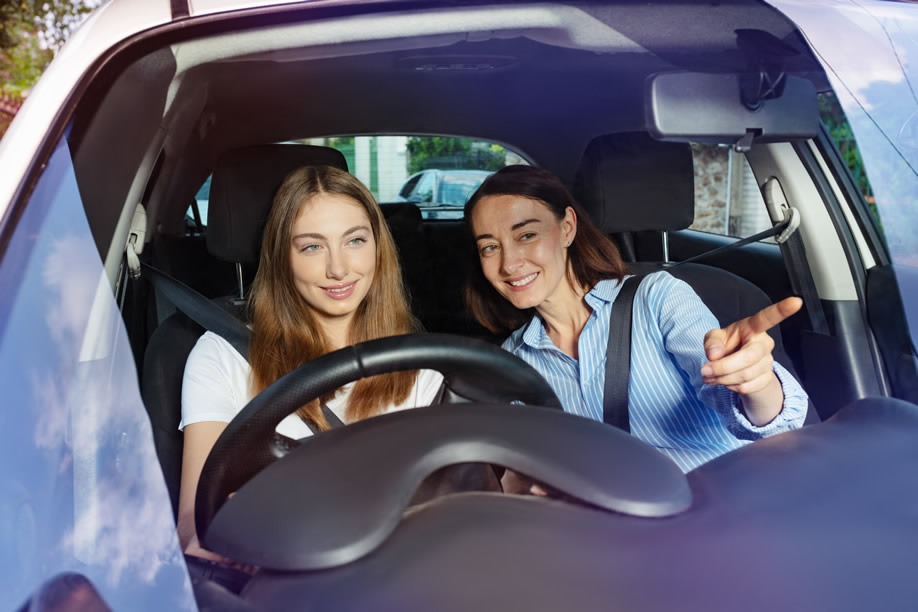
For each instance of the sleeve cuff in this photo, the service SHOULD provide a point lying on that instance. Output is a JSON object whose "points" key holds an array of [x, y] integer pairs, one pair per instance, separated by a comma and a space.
{"points": [[793, 412]]}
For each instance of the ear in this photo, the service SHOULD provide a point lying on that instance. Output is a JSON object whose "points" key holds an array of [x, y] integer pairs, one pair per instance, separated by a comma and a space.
{"points": [[568, 226]]}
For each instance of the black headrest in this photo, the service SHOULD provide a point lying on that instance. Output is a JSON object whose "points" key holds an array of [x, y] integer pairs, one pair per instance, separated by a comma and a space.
{"points": [[407, 212], [630, 182], [242, 190]]}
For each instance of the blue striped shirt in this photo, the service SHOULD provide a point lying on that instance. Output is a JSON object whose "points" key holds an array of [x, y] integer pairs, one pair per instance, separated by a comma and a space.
{"points": [[670, 407]]}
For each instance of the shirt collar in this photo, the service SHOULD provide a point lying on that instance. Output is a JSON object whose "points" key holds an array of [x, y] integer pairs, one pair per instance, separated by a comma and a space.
{"points": [[602, 294]]}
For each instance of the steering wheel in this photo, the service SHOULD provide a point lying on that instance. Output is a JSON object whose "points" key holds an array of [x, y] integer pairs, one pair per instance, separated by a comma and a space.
{"points": [[473, 370]]}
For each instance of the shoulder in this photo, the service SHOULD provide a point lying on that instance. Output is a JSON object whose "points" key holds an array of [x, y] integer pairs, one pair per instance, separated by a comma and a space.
{"points": [[212, 350], [661, 289]]}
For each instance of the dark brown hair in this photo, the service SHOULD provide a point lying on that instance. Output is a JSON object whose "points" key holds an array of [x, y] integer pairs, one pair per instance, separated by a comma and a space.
{"points": [[285, 333], [592, 256]]}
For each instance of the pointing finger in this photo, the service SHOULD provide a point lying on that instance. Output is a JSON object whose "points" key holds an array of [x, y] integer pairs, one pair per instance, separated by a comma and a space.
{"points": [[768, 317]]}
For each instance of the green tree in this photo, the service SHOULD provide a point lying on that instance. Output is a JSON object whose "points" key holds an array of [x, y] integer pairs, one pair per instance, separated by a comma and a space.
{"points": [[31, 33], [840, 132], [450, 152]]}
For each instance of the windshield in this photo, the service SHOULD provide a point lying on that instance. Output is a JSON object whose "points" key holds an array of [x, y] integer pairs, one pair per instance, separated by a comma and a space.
{"points": [[874, 80], [81, 493]]}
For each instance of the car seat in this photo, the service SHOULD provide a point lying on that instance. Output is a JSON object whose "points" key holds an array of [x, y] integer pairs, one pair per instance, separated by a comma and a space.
{"points": [[242, 190], [629, 182]]}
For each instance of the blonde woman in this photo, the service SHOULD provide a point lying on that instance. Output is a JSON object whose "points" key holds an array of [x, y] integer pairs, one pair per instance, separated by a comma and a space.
{"points": [[328, 277]]}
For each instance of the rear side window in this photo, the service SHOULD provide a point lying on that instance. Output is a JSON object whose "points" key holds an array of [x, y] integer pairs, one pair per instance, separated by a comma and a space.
{"points": [[728, 201]]}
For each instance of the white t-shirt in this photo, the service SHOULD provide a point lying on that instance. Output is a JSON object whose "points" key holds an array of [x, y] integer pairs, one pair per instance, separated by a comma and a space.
{"points": [[215, 387]]}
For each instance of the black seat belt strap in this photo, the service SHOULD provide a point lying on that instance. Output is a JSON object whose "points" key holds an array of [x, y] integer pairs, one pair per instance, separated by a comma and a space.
{"points": [[618, 357], [772, 231], [201, 310], [214, 319], [802, 283], [331, 417]]}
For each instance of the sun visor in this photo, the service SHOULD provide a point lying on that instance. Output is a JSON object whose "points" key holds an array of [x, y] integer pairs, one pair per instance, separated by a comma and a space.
{"points": [[730, 108]]}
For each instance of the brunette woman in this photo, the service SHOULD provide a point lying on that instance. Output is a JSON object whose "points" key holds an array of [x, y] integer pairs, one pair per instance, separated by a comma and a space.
{"points": [[550, 277]]}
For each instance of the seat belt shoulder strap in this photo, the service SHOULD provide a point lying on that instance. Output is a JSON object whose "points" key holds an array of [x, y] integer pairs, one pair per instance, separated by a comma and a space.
{"points": [[618, 356]]}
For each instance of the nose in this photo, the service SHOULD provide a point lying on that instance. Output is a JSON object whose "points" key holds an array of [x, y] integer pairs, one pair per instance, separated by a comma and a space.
{"points": [[510, 260], [336, 266]]}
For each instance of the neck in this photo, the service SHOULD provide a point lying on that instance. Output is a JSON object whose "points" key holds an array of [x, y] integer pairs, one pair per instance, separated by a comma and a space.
{"points": [[564, 316], [338, 332]]}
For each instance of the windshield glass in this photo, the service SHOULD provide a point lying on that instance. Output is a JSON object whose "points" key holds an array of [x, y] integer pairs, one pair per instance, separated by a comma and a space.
{"points": [[82, 492], [874, 80]]}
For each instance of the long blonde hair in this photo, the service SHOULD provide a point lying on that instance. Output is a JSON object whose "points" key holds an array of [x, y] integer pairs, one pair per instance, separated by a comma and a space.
{"points": [[285, 332]]}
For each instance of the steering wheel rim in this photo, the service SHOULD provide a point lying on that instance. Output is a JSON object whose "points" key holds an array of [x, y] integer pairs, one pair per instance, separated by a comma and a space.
{"points": [[471, 368]]}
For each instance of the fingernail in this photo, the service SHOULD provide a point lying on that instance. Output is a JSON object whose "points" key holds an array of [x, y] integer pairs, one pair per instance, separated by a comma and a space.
{"points": [[707, 371]]}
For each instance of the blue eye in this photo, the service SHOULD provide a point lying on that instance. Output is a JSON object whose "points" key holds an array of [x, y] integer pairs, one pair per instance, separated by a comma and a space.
{"points": [[358, 241], [309, 248]]}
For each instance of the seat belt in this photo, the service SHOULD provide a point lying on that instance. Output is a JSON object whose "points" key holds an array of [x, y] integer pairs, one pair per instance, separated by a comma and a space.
{"points": [[794, 252], [214, 319], [792, 248], [772, 231], [618, 357], [201, 310]]}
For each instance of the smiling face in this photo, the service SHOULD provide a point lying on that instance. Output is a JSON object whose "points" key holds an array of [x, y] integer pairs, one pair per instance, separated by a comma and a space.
{"points": [[522, 247], [333, 257]]}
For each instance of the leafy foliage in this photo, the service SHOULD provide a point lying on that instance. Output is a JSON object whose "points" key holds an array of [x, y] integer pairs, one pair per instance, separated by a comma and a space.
{"points": [[840, 132], [449, 152], [31, 33]]}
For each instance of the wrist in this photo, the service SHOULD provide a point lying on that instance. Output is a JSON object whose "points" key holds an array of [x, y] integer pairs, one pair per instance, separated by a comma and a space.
{"points": [[761, 407]]}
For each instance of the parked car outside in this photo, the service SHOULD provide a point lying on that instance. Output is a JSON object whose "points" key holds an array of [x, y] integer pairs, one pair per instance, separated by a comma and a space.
{"points": [[441, 194], [151, 96]]}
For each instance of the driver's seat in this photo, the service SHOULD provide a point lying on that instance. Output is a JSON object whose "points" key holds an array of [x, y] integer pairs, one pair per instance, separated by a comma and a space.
{"points": [[242, 189]]}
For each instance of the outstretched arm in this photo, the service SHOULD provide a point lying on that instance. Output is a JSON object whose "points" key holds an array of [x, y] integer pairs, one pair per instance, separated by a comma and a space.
{"points": [[740, 359]]}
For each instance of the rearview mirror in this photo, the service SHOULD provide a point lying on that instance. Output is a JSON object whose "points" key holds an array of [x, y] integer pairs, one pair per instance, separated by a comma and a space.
{"points": [[716, 108]]}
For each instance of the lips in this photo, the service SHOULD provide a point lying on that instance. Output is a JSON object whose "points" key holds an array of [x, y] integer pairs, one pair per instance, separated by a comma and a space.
{"points": [[340, 292], [523, 282]]}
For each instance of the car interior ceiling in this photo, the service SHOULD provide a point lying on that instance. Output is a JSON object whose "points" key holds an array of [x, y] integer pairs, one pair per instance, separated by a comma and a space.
{"points": [[190, 112]]}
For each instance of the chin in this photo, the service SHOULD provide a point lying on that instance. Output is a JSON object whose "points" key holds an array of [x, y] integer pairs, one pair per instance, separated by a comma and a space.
{"points": [[524, 302]]}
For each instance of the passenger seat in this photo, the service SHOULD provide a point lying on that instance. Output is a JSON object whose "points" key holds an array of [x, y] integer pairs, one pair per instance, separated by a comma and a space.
{"points": [[629, 182]]}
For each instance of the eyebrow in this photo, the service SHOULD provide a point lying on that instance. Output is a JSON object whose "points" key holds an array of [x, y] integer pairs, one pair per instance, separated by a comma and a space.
{"points": [[356, 228], [513, 228]]}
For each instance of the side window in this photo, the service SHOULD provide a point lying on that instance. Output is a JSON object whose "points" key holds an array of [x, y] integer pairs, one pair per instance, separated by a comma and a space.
{"points": [[727, 198], [197, 220], [202, 198], [839, 129]]}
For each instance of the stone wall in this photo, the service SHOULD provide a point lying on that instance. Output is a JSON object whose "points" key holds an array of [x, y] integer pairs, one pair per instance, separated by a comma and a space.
{"points": [[711, 188]]}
